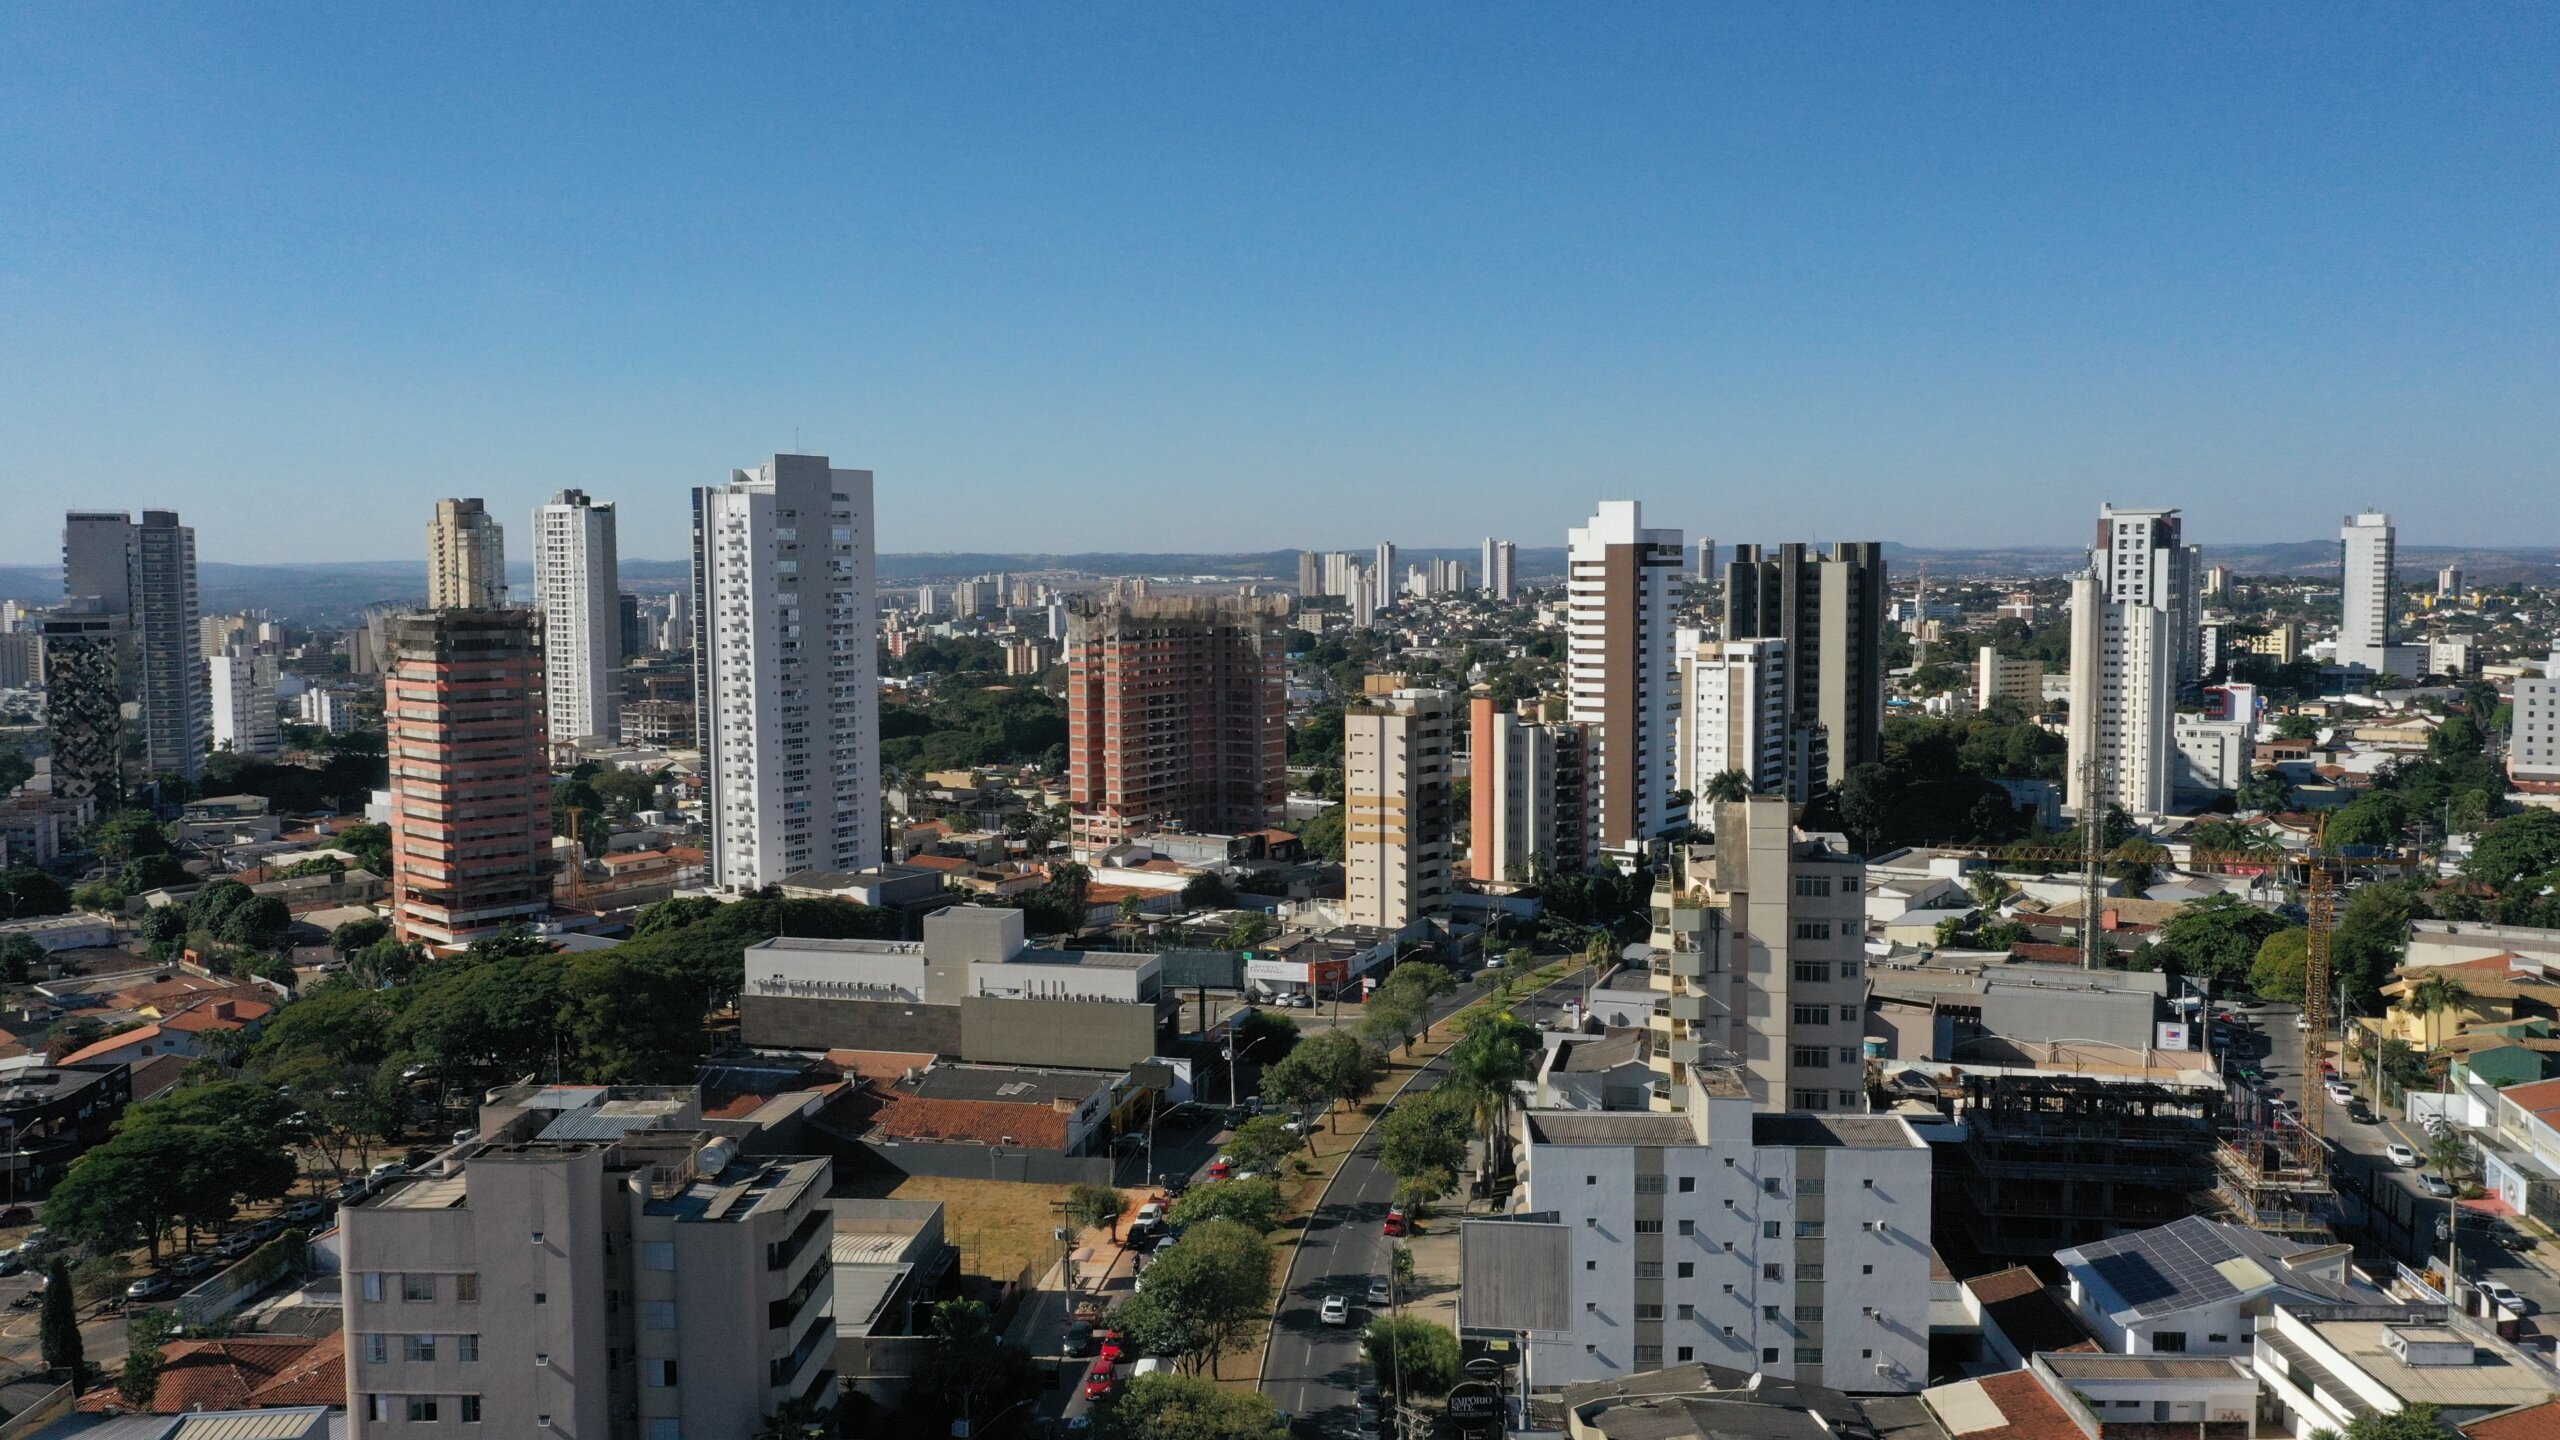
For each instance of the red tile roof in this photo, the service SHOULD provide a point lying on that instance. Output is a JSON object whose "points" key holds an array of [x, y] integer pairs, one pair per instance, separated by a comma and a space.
{"points": [[125, 1039], [2524, 1422], [218, 1015], [891, 1114], [318, 1378], [942, 862], [229, 1374], [2032, 1414]]}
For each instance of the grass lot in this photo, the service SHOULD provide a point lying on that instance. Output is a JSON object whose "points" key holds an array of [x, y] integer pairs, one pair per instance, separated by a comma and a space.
{"points": [[1000, 1226]]}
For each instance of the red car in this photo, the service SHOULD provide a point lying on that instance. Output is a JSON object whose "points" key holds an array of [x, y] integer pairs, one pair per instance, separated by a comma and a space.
{"points": [[1099, 1384], [1395, 1222], [1220, 1169], [1111, 1343]]}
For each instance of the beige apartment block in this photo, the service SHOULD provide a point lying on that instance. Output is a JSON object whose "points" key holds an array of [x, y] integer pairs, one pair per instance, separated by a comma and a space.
{"points": [[1397, 812]]}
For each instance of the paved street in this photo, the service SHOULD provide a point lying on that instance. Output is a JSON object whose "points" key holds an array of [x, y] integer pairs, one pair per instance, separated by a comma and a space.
{"points": [[1313, 1370]]}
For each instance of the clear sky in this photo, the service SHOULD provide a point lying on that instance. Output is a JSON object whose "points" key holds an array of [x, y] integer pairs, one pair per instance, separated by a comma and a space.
{"points": [[1074, 277]]}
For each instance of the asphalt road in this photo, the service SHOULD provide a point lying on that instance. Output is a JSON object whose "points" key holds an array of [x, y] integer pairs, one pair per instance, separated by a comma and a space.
{"points": [[2357, 1159], [1312, 1370]]}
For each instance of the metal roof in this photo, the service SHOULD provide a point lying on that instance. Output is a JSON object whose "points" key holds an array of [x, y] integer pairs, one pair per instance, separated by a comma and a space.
{"points": [[2192, 1262]]}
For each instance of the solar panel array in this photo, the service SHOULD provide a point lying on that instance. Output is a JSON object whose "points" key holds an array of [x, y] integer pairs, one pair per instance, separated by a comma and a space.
{"points": [[2165, 1263]]}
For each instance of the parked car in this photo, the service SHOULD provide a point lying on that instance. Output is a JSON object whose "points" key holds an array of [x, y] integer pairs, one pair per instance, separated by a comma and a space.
{"points": [[235, 1245], [2401, 1155], [1114, 1345], [1078, 1341], [2503, 1293], [150, 1287], [353, 1188], [1395, 1222], [188, 1267], [17, 1215], [1222, 1168], [265, 1230], [1150, 1214], [305, 1210], [1296, 1002], [1335, 1311], [1380, 1293], [2362, 1114], [386, 1170], [10, 1264], [2437, 1186], [2507, 1237], [1101, 1381]]}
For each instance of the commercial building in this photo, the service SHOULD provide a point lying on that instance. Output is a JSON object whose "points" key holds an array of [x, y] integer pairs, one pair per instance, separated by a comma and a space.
{"points": [[787, 670], [2322, 1367], [1396, 808], [1830, 611], [1996, 677], [2533, 734], [243, 681], [577, 587], [54, 1114], [1734, 708], [2123, 694], [1622, 671], [598, 1265], [466, 558], [1501, 568], [2198, 1286], [1527, 793], [2369, 601], [1793, 1245], [84, 647], [1758, 949], [470, 774], [1177, 716]]}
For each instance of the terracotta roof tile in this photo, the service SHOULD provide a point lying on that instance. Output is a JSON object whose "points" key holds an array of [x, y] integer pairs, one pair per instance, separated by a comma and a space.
{"points": [[2524, 1422], [226, 1374], [318, 1378], [891, 1115], [2032, 1414]]}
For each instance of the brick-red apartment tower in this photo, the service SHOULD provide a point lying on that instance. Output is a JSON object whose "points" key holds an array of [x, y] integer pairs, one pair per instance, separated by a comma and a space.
{"points": [[470, 774], [1177, 716]]}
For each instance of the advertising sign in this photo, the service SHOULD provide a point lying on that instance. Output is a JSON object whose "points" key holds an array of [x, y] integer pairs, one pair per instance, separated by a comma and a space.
{"points": [[1475, 1411]]}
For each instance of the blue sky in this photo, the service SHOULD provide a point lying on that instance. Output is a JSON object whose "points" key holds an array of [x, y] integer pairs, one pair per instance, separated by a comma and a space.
{"points": [[1226, 277]]}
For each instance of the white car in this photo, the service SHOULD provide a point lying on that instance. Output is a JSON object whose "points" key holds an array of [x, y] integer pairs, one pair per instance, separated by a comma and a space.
{"points": [[2503, 1293], [2437, 1185], [2401, 1155], [2301, 1022], [1335, 1311]]}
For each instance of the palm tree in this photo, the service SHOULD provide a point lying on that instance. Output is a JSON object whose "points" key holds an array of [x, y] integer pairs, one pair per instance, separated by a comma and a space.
{"points": [[800, 1418], [1988, 889], [2402, 1068], [2430, 995], [1487, 1067], [1728, 787]]}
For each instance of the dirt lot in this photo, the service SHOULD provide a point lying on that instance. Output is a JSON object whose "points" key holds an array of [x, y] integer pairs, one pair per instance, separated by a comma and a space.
{"points": [[1000, 1227]]}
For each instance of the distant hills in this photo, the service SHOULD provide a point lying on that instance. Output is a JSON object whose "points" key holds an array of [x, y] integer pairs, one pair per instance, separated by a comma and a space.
{"points": [[331, 592]]}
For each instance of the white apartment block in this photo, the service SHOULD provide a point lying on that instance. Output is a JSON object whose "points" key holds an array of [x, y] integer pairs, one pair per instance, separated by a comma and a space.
{"points": [[2123, 690], [1996, 677], [1733, 697], [2141, 559], [2533, 735], [786, 670], [1789, 1245], [1759, 955], [597, 1267], [2213, 755], [333, 711], [577, 585], [1622, 670], [2368, 597], [466, 558], [243, 681], [1396, 808], [1501, 564]]}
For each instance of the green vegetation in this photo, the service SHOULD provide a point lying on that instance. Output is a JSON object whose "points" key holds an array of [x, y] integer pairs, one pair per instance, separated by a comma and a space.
{"points": [[2282, 960], [964, 727], [1330, 1069], [1424, 1143], [28, 893], [1095, 1206], [1205, 1297], [1935, 783], [188, 1161], [1253, 1204], [58, 1331], [352, 768], [1322, 835], [946, 655], [2219, 938], [1411, 1357], [1185, 1407]]}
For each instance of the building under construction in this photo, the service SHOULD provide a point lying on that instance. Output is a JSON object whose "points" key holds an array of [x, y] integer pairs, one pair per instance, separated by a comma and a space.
{"points": [[2049, 1160], [2270, 1172]]}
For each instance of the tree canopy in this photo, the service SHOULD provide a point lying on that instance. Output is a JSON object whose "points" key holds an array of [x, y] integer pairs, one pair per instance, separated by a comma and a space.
{"points": [[2217, 938], [1185, 1407]]}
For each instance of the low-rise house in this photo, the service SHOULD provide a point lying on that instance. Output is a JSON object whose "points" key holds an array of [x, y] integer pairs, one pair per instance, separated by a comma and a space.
{"points": [[2102, 1397], [2197, 1287], [2021, 1317], [1597, 1072], [2320, 1367], [251, 1372]]}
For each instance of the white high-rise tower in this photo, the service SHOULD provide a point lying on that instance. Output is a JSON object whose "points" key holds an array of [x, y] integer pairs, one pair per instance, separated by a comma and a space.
{"points": [[1501, 558], [1622, 670], [2369, 594], [2137, 642], [577, 585], [786, 670]]}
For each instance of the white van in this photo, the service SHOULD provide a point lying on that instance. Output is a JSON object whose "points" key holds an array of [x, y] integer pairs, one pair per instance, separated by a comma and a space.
{"points": [[1152, 1365]]}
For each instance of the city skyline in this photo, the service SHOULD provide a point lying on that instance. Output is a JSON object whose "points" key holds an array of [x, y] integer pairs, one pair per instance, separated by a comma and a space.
{"points": [[1722, 261]]}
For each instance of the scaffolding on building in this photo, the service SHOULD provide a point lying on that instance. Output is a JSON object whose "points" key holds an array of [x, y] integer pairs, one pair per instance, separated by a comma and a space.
{"points": [[2052, 1160]]}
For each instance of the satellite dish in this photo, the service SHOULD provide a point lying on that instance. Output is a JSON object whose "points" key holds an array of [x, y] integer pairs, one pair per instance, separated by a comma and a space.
{"points": [[1636, 954]]}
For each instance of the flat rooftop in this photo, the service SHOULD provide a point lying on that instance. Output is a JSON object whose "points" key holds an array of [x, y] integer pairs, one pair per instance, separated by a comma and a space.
{"points": [[1832, 1132], [1007, 1084], [810, 944], [1083, 959], [2494, 1380], [746, 1188], [2144, 1367], [1609, 1127]]}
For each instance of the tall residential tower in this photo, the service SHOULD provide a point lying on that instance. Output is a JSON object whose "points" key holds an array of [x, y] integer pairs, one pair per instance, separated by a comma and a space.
{"points": [[1830, 612], [577, 587], [1622, 673], [466, 558], [1177, 716], [470, 774], [1396, 808]]}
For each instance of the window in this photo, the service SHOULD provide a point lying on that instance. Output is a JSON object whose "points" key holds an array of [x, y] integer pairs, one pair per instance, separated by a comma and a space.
{"points": [[1808, 1314], [1648, 1227], [1590, 1264], [1811, 1099], [1808, 1187], [1813, 885], [541, 1297], [1648, 1184], [2169, 1342], [470, 1405], [466, 1288], [1808, 1354], [661, 1373], [1809, 972], [1812, 1057], [1848, 1099], [1813, 929], [1688, 1227], [466, 1348], [1688, 1312], [1771, 1229], [1813, 1014], [1728, 1247], [1769, 1355], [1590, 1222], [1648, 1312], [1768, 1312], [422, 1409], [417, 1287], [418, 1349], [1688, 1270], [377, 1349], [1728, 1204], [1773, 1272], [1648, 1269], [1866, 1269], [1690, 1182], [1590, 1179], [1686, 1355], [1808, 1229], [1648, 1356], [373, 1284], [658, 1255], [377, 1407], [664, 1430], [1848, 969], [657, 1314], [2217, 1339], [1808, 1274], [1770, 1186]]}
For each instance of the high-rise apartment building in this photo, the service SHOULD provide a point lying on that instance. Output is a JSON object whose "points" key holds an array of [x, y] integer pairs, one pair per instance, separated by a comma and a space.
{"points": [[787, 670], [596, 1265], [2449, 583], [1527, 803], [1396, 770], [466, 558], [2533, 734], [1177, 716], [1759, 943], [84, 661], [1382, 576], [146, 573], [2369, 601], [1790, 1246], [1707, 557], [1830, 611], [2123, 693], [577, 586], [1622, 671], [243, 681], [97, 558], [1310, 574], [470, 774], [1733, 695], [1501, 567], [2141, 558]]}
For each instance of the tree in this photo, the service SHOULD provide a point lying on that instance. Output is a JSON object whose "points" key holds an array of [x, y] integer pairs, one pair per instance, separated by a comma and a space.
{"points": [[1207, 890], [1988, 889], [2282, 959], [2373, 819], [2412, 1422], [1424, 1144], [1728, 786], [354, 935], [152, 872], [1411, 1356], [2434, 993], [1329, 1069], [2521, 847], [1425, 981], [165, 925], [2294, 725], [1392, 1017], [259, 923], [1322, 836], [2218, 938], [59, 1331], [18, 958], [2267, 792], [1487, 1065], [799, 1418], [1185, 1407], [144, 1335], [2371, 938], [1091, 1207], [1254, 1204], [1219, 1279], [967, 1370], [1865, 796], [26, 894], [127, 835], [1261, 1142], [1266, 1036]]}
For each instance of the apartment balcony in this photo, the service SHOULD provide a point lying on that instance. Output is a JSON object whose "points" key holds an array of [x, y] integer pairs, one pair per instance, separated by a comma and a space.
{"points": [[1686, 964], [1693, 1009], [1688, 1052]]}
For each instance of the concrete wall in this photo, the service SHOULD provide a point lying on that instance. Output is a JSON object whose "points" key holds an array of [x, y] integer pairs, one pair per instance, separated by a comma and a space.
{"points": [[789, 1023], [1068, 1034]]}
